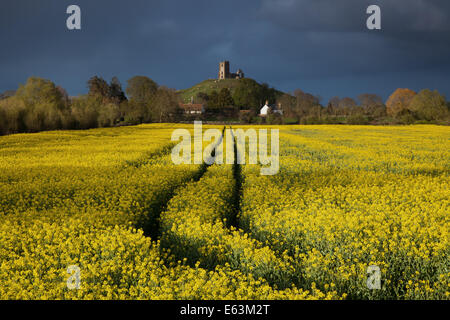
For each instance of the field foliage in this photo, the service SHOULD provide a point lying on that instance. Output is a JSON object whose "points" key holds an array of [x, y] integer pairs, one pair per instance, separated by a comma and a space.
{"points": [[139, 227]]}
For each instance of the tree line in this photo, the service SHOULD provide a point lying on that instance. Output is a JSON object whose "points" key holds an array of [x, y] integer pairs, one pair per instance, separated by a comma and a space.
{"points": [[247, 94], [404, 106], [41, 105]]}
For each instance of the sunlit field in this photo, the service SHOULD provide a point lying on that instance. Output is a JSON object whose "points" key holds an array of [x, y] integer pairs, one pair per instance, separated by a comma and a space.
{"points": [[112, 202]]}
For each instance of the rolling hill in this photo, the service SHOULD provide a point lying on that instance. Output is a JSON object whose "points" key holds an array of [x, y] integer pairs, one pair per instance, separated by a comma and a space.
{"points": [[207, 86]]}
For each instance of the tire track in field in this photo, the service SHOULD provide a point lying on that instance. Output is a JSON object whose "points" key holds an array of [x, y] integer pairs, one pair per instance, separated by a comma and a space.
{"points": [[149, 156], [153, 225], [281, 280], [237, 191], [241, 250]]}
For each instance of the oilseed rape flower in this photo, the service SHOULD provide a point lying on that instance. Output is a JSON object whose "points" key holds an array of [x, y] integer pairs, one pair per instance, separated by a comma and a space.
{"points": [[111, 204]]}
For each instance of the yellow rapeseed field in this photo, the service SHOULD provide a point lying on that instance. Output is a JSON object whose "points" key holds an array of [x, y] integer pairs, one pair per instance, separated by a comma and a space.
{"points": [[112, 203]]}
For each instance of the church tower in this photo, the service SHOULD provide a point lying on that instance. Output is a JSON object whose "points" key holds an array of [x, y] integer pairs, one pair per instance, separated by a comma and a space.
{"points": [[224, 70]]}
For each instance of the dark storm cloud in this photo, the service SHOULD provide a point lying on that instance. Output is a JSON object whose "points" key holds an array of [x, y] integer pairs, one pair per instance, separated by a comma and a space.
{"points": [[335, 15], [321, 46], [325, 41]]}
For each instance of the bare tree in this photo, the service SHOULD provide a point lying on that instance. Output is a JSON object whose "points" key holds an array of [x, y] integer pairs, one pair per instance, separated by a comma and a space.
{"points": [[347, 103], [369, 99], [304, 102], [333, 106], [164, 105]]}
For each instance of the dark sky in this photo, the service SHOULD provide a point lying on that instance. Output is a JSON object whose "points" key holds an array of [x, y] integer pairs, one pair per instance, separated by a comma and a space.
{"points": [[320, 46]]}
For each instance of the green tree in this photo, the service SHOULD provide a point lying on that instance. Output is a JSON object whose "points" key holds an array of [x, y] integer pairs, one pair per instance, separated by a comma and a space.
{"points": [[108, 115], [3, 123], [141, 89], [267, 93], [224, 98], [116, 94], [46, 106], [98, 87], [38, 90], [248, 95], [64, 96], [43, 116], [164, 105], [202, 97], [213, 102], [429, 105], [13, 112], [137, 112], [85, 111]]}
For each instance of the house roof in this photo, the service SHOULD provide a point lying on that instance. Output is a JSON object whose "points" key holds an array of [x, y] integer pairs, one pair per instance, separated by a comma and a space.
{"points": [[191, 106]]}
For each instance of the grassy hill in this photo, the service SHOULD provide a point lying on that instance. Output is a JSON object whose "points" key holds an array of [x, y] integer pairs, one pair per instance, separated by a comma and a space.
{"points": [[207, 86]]}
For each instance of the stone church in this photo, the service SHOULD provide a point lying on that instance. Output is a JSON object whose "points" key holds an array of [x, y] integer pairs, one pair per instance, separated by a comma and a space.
{"points": [[224, 71]]}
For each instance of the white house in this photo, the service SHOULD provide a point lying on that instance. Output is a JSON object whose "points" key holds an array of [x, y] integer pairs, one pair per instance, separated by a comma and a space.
{"points": [[265, 109]]}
